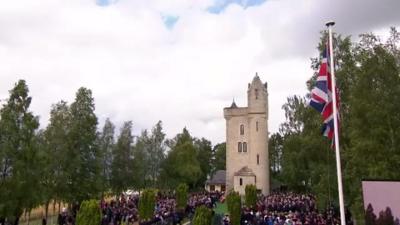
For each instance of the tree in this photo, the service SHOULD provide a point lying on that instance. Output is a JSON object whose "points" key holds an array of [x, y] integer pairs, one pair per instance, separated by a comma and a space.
{"points": [[181, 164], [219, 157], [370, 217], [55, 149], [275, 148], [140, 159], [385, 217], [204, 157], [373, 101], [89, 213], [83, 156], [250, 196], [121, 167], [368, 79], [106, 146], [234, 207], [20, 163], [156, 152]]}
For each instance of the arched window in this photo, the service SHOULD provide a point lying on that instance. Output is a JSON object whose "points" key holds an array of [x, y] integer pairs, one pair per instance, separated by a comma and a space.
{"points": [[240, 181], [241, 129], [244, 146], [258, 159], [256, 92], [256, 125], [239, 146]]}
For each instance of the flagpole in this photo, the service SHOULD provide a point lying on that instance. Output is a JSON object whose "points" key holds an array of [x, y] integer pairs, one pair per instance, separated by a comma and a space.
{"points": [[336, 128]]}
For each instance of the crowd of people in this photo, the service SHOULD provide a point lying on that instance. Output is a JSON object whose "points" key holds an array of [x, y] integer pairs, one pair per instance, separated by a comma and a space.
{"points": [[275, 209], [124, 209], [287, 209]]}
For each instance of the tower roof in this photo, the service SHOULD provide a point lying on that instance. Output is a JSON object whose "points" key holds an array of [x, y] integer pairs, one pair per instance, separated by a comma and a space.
{"points": [[245, 171], [256, 82], [256, 77], [233, 104]]}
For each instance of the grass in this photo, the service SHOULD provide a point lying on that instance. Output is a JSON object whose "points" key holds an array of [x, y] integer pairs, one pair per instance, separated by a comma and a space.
{"points": [[221, 208]]}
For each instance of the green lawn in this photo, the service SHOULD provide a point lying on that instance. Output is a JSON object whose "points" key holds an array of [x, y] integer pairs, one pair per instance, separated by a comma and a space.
{"points": [[221, 208]]}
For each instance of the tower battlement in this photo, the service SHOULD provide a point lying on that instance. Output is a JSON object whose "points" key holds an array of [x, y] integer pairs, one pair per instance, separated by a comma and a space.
{"points": [[239, 111]]}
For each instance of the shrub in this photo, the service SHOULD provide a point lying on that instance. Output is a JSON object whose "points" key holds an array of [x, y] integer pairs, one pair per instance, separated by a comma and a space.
{"points": [[89, 213], [147, 203], [202, 216], [234, 207], [182, 196], [251, 195]]}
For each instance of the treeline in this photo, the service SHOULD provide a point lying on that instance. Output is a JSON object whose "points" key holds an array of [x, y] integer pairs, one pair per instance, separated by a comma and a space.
{"points": [[71, 160], [368, 78]]}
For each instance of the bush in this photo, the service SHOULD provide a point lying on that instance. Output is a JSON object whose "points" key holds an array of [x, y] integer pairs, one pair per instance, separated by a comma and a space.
{"points": [[251, 195], [182, 196], [89, 213], [202, 216], [234, 207], [147, 203]]}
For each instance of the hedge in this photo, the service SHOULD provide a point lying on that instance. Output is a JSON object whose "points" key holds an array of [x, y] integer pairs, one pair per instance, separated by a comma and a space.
{"points": [[147, 203], [233, 201], [89, 213], [202, 216], [182, 196], [251, 195]]}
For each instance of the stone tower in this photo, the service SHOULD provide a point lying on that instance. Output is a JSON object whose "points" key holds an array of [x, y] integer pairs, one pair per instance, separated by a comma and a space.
{"points": [[247, 141]]}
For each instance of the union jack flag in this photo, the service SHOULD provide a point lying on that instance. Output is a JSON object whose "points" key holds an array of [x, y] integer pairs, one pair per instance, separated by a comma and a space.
{"points": [[321, 96]]}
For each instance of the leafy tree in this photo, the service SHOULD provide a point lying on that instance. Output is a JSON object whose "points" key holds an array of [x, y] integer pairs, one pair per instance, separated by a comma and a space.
{"points": [[182, 195], [204, 157], [233, 202], [20, 163], [83, 158], [275, 148], [89, 213], [156, 152], [140, 159], [373, 101], [370, 217], [385, 217], [202, 216], [55, 149], [368, 79], [181, 164], [219, 157], [250, 195], [122, 171], [180, 139], [106, 145]]}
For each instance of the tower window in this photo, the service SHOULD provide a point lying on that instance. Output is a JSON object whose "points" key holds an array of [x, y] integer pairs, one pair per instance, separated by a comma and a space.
{"points": [[256, 92], [241, 129], [257, 126], [258, 159], [240, 181], [239, 146], [244, 146]]}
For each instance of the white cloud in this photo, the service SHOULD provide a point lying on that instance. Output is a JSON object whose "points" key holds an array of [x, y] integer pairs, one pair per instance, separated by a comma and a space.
{"points": [[140, 70]]}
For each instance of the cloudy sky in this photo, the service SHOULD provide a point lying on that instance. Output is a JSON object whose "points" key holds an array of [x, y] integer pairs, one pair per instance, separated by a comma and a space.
{"points": [[179, 61]]}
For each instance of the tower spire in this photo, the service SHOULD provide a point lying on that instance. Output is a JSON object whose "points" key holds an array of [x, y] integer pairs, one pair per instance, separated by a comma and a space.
{"points": [[233, 103]]}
